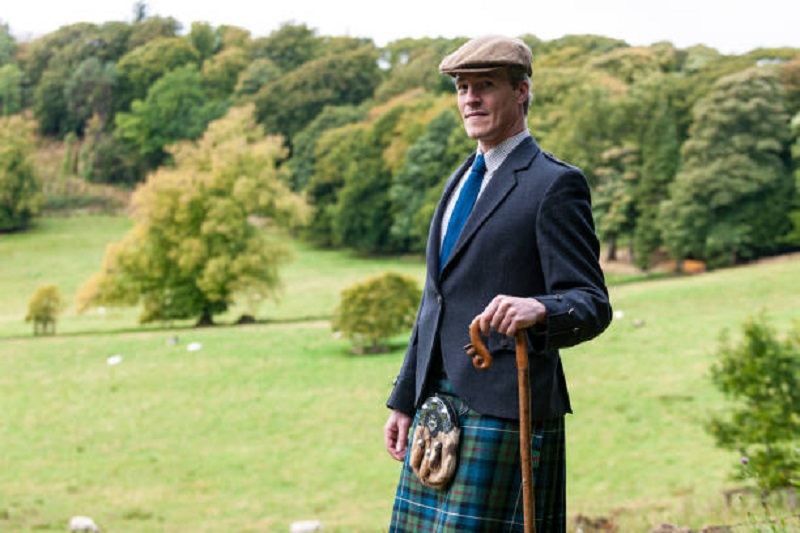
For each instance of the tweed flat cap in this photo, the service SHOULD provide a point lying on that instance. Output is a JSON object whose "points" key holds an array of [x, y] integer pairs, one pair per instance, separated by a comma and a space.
{"points": [[487, 53]]}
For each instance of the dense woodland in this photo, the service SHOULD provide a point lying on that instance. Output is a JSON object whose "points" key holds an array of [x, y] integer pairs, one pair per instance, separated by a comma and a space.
{"points": [[689, 152]]}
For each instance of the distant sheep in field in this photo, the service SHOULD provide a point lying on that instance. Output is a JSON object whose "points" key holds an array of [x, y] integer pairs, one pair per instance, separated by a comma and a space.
{"points": [[305, 526], [83, 523], [670, 528]]}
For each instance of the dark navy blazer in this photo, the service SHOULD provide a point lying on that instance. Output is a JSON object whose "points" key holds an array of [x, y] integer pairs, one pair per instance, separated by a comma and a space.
{"points": [[530, 234]]}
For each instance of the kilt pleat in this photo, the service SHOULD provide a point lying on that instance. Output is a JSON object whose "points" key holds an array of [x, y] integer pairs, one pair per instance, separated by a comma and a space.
{"points": [[486, 492]]}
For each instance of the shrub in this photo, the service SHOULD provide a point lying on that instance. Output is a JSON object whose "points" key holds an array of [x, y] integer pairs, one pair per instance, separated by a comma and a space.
{"points": [[761, 378], [43, 307], [373, 310]]}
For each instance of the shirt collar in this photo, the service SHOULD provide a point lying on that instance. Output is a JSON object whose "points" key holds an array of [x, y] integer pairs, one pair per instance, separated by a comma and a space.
{"points": [[495, 156]]}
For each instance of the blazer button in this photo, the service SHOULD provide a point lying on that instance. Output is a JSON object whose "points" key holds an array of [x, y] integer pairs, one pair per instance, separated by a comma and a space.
{"points": [[439, 299]]}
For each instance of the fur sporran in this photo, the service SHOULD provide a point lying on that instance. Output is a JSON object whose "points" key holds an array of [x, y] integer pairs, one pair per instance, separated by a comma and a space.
{"points": [[434, 450]]}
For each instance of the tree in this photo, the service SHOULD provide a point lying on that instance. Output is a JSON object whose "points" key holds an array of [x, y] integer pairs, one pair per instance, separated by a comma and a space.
{"points": [[113, 41], [62, 49], [255, 75], [790, 79], [105, 159], [588, 126], [11, 78], [427, 163], [362, 215], [414, 64], [760, 376], [302, 164], [20, 189], [627, 63], [8, 45], [142, 66], [375, 309], [50, 103], [204, 39], [176, 108], [613, 204], [286, 105], [221, 72], [89, 91], [204, 229], [43, 308], [146, 29], [332, 155], [51, 61], [289, 46], [793, 237], [732, 197], [652, 117]]}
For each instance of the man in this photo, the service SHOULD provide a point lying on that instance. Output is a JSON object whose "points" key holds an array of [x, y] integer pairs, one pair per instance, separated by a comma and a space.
{"points": [[526, 258]]}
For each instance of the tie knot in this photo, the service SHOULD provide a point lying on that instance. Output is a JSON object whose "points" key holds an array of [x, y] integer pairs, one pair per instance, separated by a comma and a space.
{"points": [[479, 165]]}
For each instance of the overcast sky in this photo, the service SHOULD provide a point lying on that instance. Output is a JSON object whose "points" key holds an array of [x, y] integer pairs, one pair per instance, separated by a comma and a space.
{"points": [[730, 26]]}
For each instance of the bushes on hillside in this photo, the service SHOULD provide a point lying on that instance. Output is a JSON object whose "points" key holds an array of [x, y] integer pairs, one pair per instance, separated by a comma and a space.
{"points": [[375, 309]]}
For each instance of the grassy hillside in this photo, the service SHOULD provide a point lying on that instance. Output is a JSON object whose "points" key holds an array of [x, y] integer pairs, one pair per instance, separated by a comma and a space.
{"points": [[276, 422]]}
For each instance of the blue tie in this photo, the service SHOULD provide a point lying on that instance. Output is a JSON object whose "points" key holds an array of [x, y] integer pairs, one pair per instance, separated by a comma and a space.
{"points": [[466, 199]]}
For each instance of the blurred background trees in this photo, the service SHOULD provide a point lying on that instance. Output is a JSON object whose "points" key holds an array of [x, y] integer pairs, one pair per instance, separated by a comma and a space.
{"points": [[689, 152]]}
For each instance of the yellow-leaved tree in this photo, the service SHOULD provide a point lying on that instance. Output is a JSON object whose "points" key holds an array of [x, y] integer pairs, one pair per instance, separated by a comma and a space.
{"points": [[204, 230], [43, 308]]}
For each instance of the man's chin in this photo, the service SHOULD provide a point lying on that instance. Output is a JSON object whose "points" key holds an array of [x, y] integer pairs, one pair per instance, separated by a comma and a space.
{"points": [[474, 133]]}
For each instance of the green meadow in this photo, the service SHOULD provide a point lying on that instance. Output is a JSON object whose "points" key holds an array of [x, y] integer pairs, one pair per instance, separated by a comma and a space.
{"points": [[274, 422]]}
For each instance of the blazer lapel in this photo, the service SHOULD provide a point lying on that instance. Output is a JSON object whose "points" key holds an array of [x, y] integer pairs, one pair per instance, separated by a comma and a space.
{"points": [[434, 247], [502, 183]]}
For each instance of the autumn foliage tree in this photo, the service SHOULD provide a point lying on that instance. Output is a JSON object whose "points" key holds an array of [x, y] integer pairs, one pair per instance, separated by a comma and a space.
{"points": [[204, 229]]}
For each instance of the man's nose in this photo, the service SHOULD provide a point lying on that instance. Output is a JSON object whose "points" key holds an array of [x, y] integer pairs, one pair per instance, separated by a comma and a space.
{"points": [[473, 95]]}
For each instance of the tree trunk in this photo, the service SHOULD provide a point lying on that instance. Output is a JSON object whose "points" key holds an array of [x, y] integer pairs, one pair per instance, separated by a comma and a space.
{"points": [[206, 320], [612, 248]]}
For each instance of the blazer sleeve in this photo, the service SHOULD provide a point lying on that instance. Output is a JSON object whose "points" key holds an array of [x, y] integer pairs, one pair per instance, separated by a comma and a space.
{"points": [[403, 394], [576, 297]]}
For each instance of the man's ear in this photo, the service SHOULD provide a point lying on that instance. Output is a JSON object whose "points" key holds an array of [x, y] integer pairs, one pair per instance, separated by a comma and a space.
{"points": [[522, 90]]}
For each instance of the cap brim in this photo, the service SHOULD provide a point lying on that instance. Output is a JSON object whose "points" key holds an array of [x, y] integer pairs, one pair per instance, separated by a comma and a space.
{"points": [[470, 70]]}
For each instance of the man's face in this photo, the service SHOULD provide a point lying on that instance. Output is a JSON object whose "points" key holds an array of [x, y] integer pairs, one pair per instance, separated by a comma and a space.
{"points": [[492, 110]]}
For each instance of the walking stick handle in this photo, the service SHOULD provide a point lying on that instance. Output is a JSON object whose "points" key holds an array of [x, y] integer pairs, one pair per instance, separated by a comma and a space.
{"points": [[481, 358]]}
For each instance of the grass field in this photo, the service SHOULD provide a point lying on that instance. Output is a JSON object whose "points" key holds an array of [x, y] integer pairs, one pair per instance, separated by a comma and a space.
{"points": [[276, 422]]}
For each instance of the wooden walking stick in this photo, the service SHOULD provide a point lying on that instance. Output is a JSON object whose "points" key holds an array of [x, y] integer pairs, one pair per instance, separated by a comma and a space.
{"points": [[482, 359]]}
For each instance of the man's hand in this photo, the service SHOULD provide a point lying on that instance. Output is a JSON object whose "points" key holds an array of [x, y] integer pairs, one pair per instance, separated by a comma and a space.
{"points": [[509, 314], [395, 434]]}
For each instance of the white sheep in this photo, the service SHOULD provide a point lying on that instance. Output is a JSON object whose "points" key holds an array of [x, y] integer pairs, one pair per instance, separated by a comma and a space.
{"points": [[305, 526], [83, 523]]}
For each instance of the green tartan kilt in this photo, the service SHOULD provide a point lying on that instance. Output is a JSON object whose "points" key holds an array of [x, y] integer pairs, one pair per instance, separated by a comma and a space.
{"points": [[486, 492]]}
